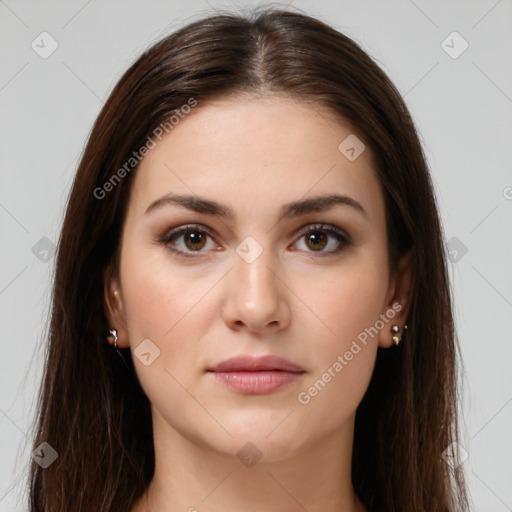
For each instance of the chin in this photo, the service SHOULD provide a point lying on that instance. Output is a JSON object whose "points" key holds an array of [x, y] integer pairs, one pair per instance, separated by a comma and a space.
{"points": [[268, 440]]}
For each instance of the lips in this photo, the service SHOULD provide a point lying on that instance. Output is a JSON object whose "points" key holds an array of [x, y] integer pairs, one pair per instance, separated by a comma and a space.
{"points": [[256, 376], [254, 364]]}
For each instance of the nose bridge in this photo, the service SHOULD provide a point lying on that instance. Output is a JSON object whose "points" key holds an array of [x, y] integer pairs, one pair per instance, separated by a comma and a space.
{"points": [[254, 295], [252, 271]]}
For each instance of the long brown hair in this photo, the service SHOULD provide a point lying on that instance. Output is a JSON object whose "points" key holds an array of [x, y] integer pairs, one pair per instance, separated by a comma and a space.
{"points": [[92, 410]]}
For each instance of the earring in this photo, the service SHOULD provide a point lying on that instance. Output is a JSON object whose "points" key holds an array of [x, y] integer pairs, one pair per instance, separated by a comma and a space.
{"points": [[113, 334], [397, 334]]}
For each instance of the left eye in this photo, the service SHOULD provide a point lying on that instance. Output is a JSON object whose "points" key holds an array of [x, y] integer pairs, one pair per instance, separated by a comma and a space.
{"points": [[316, 239]]}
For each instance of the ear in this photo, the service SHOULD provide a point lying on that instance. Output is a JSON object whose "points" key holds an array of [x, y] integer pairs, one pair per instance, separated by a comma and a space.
{"points": [[398, 301], [113, 306]]}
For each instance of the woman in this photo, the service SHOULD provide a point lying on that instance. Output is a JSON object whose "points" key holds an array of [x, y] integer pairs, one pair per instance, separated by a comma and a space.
{"points": [[252, 229]]}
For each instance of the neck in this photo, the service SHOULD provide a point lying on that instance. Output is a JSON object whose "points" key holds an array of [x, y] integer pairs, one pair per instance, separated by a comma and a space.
{"points": [[196, 478]]}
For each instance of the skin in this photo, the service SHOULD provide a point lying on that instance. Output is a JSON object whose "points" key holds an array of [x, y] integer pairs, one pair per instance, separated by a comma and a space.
{"points": [[299, 300]]}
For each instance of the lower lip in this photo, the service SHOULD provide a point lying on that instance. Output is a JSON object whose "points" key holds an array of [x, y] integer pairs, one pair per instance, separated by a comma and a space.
{"points": [[256, 383]]}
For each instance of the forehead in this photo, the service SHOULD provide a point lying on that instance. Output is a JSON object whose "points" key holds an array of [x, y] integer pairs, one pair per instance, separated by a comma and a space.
{"points": [[271, 148]]}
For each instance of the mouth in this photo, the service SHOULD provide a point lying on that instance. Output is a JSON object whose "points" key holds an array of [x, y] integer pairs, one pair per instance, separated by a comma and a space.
{"points": [[256, 376]]}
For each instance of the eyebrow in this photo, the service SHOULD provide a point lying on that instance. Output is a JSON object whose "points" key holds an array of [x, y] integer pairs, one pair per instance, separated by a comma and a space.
{"points": [[289, 210]]}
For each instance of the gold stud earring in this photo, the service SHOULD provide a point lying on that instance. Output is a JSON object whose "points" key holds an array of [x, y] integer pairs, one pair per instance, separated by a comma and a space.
{"points": [[397, 336]]}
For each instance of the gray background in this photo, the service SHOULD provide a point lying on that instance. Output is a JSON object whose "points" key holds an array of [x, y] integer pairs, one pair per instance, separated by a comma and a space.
{"points": [[462, 107]]}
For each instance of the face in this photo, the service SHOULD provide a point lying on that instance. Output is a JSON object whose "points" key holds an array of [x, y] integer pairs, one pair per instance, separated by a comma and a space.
{"points": [[228, 250]]}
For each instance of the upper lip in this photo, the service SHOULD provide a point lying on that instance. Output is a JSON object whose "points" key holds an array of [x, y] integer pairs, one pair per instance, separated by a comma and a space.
{"points": [[253, 364]]}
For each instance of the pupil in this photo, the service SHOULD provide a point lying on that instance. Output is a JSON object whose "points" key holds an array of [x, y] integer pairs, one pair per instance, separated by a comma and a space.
{"points": [[195, 238], [312, 236]]}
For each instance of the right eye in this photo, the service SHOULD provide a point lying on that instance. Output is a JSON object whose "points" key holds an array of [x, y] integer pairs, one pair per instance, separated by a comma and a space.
{"points": [[193, 239]]}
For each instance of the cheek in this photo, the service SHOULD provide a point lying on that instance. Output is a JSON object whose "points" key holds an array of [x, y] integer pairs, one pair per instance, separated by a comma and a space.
{"points": [[161, 299], [163, 304], [158, 294], [351, 308], [343, 366], [350, 298]]}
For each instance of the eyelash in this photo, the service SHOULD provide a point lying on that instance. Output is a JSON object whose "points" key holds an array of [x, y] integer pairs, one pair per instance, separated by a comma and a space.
{"points": [[342, 237]]}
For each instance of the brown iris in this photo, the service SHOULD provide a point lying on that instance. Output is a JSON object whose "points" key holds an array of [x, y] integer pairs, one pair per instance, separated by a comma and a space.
{"points": [[195, 240], [315, 238]]}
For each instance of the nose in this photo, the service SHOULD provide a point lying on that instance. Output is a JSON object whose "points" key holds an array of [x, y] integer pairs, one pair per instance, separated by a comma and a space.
{"points": [[256, 296]]}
